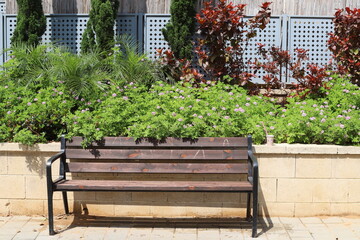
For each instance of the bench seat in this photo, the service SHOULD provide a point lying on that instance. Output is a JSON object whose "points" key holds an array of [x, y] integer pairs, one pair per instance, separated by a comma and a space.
{"points": [[150, 186]]}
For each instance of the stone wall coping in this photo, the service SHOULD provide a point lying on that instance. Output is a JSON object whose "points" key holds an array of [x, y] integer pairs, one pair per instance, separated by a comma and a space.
{"points": [[17, 147], [282, 148], [313, 149]]}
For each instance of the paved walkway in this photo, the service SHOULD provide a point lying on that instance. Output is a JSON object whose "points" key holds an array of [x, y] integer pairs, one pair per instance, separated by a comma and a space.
{"points": [[323, 228]]}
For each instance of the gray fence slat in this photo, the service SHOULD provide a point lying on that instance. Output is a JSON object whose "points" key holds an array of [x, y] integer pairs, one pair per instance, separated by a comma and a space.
{"points": [[311, 33]]}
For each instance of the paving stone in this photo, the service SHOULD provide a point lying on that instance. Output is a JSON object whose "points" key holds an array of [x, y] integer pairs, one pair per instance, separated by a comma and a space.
{"points": [[208, 234], [308, 220], [332, 220], [26, 236], [116, 233], [277, 236], [139, 234], [77, 233], [230, 234], [299, 234], [162, 233]]}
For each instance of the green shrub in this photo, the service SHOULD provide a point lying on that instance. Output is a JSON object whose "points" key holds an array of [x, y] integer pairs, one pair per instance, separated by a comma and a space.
{"points": [[31, 23], [99, 33], [181, 28]]}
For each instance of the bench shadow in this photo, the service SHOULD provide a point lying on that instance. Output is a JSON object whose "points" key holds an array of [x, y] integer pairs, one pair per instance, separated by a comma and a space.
{"points": [[84, 216]]}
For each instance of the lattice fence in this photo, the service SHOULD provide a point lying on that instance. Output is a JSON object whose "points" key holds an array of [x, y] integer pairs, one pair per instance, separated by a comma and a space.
{"points": [[67, 30], [287, 33], [311, 34], [2, 7]]}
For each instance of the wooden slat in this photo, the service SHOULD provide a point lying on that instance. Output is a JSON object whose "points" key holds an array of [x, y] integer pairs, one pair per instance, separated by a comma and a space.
{"points": [[113, 154], [125, 142], [99, 185], [158, 167]]}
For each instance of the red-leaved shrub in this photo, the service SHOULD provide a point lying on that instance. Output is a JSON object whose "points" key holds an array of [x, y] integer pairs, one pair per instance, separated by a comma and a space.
{"points": [[345, 41]]}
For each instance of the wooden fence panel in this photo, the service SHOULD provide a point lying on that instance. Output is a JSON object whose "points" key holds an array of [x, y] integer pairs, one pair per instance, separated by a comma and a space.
{"points": [[312, 7], [289, 7]]}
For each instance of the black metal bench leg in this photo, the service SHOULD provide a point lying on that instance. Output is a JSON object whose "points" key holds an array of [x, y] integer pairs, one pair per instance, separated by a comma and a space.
{"points": [[50, 213], [248, 208], [255, 215], [65, 200]]}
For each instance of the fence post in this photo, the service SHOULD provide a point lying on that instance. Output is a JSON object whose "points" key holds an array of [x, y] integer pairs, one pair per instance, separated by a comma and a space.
{"points": [[2, 32], [284, 78], [140, 31]]}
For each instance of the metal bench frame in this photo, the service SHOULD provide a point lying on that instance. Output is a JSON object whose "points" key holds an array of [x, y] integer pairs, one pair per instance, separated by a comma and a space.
{"points": [[58, 184]]}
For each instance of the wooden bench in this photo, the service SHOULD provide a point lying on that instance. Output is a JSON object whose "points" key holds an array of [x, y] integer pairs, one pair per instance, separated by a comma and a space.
{"points": [[175, 156]]}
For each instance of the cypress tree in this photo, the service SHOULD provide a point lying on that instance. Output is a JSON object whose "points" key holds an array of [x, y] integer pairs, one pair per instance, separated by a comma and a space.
{"points": [[31, 23], [99, 32], [181, 28]]}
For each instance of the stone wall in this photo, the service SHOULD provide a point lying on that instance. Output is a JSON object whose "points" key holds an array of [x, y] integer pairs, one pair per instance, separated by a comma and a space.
{"points": [[295, 180]]}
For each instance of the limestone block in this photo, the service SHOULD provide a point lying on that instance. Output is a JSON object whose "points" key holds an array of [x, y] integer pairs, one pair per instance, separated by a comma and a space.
{"points": [[311, 149], [148, 197], [230, 212], [188, 197], [267, 190], [279, 166], [35, 187], [12, 186], [4, 207], [27, 207], [313, 166], [18, 165], [204, 211], [3, 163], [108, 196], [294, 190], [221, 197], [347, 167], [340, 190], [169, 211], [277, 209], [339, 209], [353, 150], [95, 208], [311, 209], [354, 190], [132, 210]]}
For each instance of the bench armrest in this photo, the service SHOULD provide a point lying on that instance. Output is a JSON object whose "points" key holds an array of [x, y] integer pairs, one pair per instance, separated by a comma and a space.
{"points": [[49, 165], [254, 172], [253, 159]]}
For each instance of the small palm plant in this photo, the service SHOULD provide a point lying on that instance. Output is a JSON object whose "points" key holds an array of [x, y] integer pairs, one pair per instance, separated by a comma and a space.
{"points": [[128, 65], [81, 74]]}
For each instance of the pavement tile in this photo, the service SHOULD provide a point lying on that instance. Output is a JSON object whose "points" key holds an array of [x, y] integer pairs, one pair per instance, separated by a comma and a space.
{"points": [[116, 233], [329, 220], [139, 234], [26, 236], [310, 220], [230, 234], [208, 234], [278, 236], [162, 234], [299, 234], [323, 228]]}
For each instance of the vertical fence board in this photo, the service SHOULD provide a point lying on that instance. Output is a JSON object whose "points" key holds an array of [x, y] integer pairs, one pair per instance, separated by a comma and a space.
{"points": [[313, 7], [353, 3], [289, 7]]}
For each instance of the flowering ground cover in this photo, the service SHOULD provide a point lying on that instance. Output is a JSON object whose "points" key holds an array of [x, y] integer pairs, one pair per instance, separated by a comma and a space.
{"points": [[43, 110]]}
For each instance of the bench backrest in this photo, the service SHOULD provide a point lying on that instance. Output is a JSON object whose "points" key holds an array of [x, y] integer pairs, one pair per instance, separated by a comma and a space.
{"points": [[125, 155]]}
